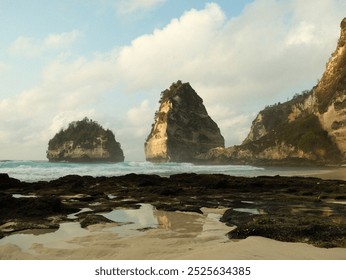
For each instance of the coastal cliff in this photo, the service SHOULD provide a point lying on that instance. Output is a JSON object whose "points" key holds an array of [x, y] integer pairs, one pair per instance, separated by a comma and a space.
{"points": [[309, 129], [330, 94], [84, 141], [182, 128]]}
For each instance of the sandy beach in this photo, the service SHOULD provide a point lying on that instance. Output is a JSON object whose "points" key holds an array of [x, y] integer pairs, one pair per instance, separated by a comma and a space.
{"points": [[156, 245], [185, 216], [180, 236], [332, 174]]}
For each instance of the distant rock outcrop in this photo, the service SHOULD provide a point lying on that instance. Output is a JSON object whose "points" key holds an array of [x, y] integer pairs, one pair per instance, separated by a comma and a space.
{"points": [[182, 128], [84, 141], [309, 129]]}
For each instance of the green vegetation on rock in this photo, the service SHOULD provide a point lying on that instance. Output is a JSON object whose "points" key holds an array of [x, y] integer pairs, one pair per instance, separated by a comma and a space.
{"points": [[84, 140], [83, 133], [169, 93]]}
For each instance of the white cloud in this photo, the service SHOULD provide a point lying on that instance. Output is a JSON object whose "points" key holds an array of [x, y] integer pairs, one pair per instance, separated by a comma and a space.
{"points": [[3, 67], [68, 90], [246, 55], [244, 63], [140, 119], [132, 6], [234, 124], [303, 34], [4, 136], [30, 47], [176, 51], [62, 119], [261, 52], [132, 128], [62, 40], [138, 115], [236, 65]]}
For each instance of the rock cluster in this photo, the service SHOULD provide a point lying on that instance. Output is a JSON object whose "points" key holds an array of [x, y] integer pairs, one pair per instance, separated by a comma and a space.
{"points": [[84, 141], [182, 128], [309, 129], [293, 209]]}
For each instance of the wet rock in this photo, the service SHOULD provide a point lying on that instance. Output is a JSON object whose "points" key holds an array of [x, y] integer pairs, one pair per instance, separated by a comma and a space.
{"points": [[31, 208], [231, 217], [317, 231], [6, 182], [94, 219], [283, 208], [24, 226]]}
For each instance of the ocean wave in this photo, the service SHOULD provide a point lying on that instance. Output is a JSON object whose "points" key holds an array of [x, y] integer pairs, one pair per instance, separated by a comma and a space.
{"points": [[31, 171]]}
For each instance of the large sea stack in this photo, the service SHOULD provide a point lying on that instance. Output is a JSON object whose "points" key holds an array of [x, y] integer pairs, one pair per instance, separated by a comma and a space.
{"points": [[309, 129], [84, 141], [182, 128]]}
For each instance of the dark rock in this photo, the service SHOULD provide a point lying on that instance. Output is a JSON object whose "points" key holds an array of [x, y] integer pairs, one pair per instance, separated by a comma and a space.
{"points": [[283, 208], [182, 128], [94, 219], [307, 229], [84, 141], [31, 208], [6, 182], [232, 218], [24, 226]]}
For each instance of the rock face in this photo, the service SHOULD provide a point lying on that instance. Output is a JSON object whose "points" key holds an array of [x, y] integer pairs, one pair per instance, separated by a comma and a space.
{"points": [[330, 94], [309, 129], [182, 128], [84, 141]]}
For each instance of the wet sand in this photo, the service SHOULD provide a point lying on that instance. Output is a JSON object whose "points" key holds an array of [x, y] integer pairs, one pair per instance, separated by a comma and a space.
{"points": [[174, 218], [332, 174], [161, 245], [180, 236]]}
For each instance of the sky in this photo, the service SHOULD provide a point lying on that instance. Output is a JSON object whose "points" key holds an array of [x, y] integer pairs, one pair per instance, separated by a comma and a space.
{"points": [[109, 60]]}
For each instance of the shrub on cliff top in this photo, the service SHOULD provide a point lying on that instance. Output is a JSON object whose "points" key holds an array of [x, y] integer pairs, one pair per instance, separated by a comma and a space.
{"points": [[168, 93], [83, 133]]}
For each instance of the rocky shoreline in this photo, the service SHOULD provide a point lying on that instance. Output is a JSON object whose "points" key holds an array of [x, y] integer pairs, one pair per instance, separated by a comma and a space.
{"points": [[294, 209]]}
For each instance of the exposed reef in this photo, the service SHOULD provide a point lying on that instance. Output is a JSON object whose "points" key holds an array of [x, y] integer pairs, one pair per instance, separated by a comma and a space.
{"points": [[294, 209]]}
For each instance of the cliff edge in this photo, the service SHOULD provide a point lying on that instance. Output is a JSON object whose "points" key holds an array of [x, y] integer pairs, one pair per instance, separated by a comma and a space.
{"points": [[84, 141], [309, 129]]}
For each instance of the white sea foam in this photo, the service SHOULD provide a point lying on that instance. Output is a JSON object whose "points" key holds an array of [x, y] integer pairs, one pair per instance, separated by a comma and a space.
{"points": [[31, 171]]}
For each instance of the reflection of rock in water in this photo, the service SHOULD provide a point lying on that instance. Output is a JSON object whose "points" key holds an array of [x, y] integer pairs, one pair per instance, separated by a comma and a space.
{"points": [[327, 211], [180, 222], [320, 211]]}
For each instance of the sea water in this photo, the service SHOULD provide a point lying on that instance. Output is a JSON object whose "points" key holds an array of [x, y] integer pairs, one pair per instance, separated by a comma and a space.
{"points": [[128, 223], [32, 171]]}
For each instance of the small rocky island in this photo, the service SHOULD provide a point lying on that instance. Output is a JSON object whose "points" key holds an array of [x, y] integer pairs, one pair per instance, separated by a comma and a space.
{"points": [[182, 127], [310, 129], [84, 141]]}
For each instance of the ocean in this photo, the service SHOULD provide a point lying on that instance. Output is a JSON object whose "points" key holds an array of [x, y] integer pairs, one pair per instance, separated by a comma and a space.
{"points": [[32, 171]]}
